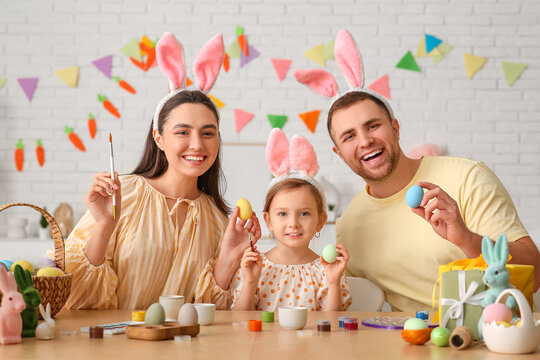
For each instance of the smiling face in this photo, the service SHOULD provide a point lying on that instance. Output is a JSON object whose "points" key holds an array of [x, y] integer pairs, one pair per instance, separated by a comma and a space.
{"points": [[366, 140], [190, 139], [293, 217]]}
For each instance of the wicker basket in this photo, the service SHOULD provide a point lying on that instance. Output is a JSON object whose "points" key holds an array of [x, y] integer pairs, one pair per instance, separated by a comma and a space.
{"points": [[53, 290]]}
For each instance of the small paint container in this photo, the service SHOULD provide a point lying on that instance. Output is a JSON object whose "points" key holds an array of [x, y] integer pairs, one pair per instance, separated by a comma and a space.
{"points": [[341, 321], [138, 315], [255, 325], [423, 315], [182, 338], [324, 325], [351, 324], [267, 316], [96, 332]]}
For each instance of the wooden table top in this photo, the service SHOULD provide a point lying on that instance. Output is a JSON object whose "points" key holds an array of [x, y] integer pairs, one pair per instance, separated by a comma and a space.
{"points": [[223, 340]]}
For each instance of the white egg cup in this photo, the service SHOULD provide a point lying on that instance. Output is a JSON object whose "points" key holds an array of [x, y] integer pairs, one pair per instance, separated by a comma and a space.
{"points": [[293, 318], [206, 312], [521, 339], [172, 305]]}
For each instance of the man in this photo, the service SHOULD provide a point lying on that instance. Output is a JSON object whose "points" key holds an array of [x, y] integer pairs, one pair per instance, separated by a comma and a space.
{"points": [[398, 248]]}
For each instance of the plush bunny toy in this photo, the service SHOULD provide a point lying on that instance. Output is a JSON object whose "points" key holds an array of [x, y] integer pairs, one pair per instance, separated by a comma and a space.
{"points": [[10, 312], [351, 66], [31, 298], [45, 330]]}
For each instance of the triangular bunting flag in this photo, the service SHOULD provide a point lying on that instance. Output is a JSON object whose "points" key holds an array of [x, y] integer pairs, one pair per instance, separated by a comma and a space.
{"points": [[2, 82], [29, 86], [381, 86], [432, 42], [188, 81], [216, 101], [512, 71], [316, 54], [329, 51], [421, 50], [132, 49], [234, 50], [473, 64], [253, 53], [281, 66], [148, 43], [407, 62], [105, 65], [277, 121], [443, 50], [311, 119], [70, 76], [241, 119]]}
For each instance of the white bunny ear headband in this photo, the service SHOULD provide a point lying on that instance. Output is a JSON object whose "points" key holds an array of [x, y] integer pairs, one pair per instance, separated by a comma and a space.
{"points": [[170, 59], [295, 161], [350, 64]]}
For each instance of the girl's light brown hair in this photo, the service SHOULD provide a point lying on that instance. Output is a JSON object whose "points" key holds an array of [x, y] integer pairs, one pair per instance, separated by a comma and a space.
{"points": [[291, 184]]}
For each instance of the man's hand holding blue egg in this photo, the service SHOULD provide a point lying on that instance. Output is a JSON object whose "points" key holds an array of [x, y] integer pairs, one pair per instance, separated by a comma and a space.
{"points": [[441, 211]]}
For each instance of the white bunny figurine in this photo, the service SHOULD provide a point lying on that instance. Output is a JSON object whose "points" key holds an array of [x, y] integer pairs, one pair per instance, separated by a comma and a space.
{"points": [[10, 311], [45, 330]]}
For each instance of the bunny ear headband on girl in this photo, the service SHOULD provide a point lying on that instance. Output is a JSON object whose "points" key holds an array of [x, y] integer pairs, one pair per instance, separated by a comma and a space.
{"points": [[295, 161], [170, 59], [350, 64]]}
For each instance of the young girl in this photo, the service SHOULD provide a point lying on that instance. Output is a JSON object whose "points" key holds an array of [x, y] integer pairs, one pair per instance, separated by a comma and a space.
{"points": [[171, 220], [291, 274]]}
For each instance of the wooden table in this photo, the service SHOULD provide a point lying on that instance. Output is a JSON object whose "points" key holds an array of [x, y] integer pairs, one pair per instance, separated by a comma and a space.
{"points": [[222, 340]]}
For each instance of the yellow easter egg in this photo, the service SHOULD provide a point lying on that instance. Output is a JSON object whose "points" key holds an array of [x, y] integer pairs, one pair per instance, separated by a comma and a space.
{"points": [[24, 264], [504, 323], [245, 208], [49, 271], [518, 323]]}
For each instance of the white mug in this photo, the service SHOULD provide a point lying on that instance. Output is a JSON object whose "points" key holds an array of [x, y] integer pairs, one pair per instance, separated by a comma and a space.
{"points": [[206, 312], [172, 305]]}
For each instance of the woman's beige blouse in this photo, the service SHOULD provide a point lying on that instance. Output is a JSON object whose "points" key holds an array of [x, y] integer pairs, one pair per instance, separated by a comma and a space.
{"points": [[147, 255]]}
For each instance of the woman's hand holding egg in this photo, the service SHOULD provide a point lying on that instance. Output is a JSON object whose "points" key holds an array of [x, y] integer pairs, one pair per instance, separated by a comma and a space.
{"points": [[243, 222]]}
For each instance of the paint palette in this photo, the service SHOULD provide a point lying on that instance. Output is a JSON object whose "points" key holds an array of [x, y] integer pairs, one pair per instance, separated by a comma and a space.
{"points": [[166, 331], [113, 328], [387, 322]]}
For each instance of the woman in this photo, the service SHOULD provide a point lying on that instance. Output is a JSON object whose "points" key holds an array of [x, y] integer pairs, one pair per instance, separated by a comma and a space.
{"points": [[172, 223]]}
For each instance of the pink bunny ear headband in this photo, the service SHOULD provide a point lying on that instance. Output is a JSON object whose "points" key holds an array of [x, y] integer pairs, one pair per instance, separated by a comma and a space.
{"points": [[295, 161], [170, 59], [350, 64]]}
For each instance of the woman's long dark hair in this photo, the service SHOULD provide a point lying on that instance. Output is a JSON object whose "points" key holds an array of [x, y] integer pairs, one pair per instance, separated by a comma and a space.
{"points": [[153, 162]]}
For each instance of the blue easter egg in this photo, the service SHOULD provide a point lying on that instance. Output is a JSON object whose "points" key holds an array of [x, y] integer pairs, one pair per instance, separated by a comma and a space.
{"points": [[414, 196], [7, 264]]}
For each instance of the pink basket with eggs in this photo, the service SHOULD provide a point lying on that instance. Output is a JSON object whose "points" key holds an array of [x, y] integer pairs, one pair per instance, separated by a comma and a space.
{"points": [[53, 290], [524, 337]]}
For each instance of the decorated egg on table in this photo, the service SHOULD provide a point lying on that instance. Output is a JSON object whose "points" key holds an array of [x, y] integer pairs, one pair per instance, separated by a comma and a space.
{"points": [[188, 315], [49, 271], [24, 264], [497, 312], [416, 331], [6, 264], [440, 336], [155, 315], [245, 209], [329, 253], [414, 196]]}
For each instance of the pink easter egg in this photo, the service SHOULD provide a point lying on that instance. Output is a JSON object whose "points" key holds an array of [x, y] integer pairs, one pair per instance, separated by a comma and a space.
{"points": [[497, 312]]}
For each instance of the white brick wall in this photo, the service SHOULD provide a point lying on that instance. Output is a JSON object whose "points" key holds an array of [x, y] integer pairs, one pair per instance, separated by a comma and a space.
{"points": [[481, 118]]}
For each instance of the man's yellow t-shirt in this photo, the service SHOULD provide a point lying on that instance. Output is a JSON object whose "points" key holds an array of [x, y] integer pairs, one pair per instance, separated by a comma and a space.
{"points": [[399, 251]]}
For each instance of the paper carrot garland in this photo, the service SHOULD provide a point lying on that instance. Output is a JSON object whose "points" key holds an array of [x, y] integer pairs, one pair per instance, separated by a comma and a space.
{"points": [[124, 85], [40, 153], [151, 57], [108, 105], [138, 63], [19, 155], [74, 138], [92, 127], [226, 63], [242, 41]]}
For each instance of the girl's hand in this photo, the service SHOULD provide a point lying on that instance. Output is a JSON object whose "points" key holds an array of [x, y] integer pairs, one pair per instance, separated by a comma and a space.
{"points": [[99, 197], [251, 266], [236, 237], [335, 270], [442, 212]]}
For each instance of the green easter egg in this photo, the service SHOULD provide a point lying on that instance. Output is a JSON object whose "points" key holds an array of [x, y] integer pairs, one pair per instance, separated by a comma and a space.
{"points": [[440, 336], [155, 315], [329, 253], [415, 324]]}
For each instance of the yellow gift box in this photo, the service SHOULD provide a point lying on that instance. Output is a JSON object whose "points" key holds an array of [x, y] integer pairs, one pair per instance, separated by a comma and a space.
{"points": [[521, 276]]}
